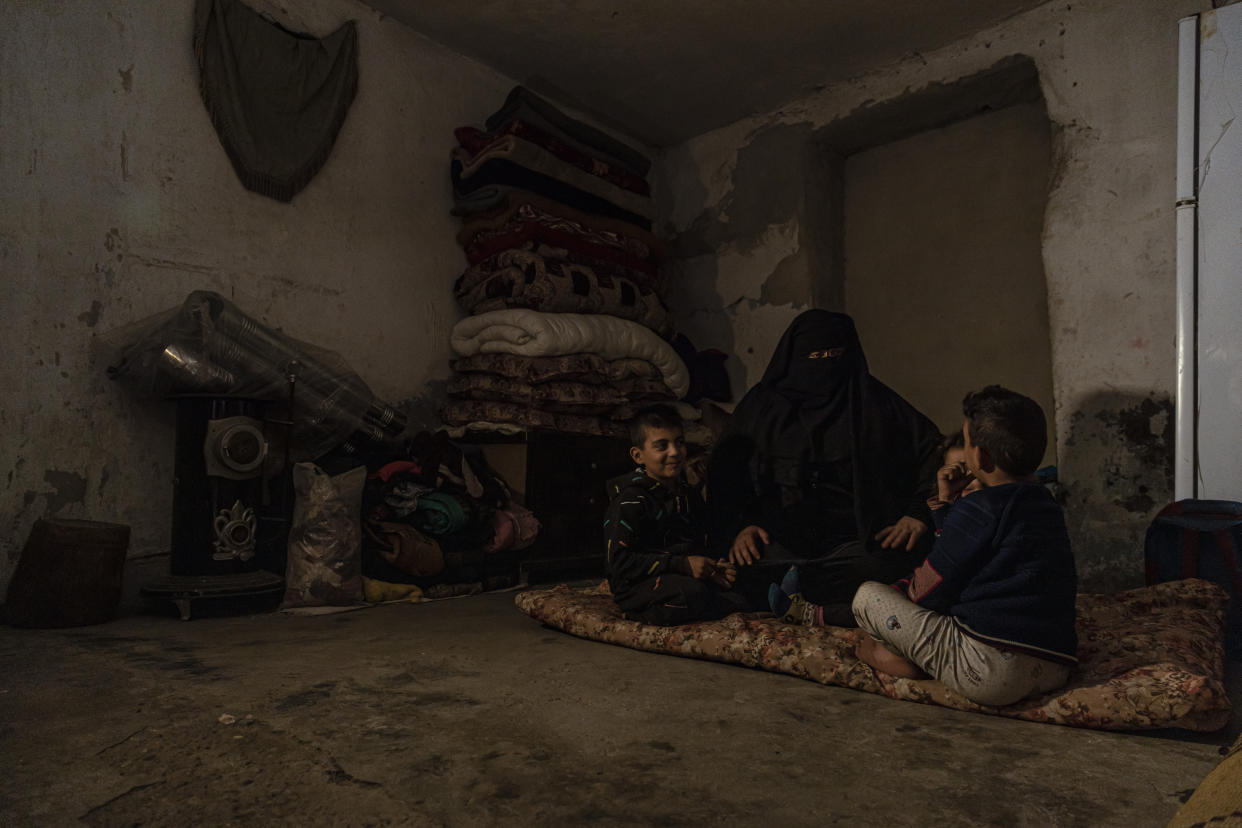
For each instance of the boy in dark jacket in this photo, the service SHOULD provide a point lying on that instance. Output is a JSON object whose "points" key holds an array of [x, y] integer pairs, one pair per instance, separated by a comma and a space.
{"points": [[991, 612], [656, 533]]}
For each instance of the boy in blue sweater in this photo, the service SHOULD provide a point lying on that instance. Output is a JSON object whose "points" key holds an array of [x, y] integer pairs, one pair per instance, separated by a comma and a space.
{"points": [[990, 613]]}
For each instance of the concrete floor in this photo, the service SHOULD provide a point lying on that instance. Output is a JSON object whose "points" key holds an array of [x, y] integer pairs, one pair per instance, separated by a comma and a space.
{"points": [[466, 712]]}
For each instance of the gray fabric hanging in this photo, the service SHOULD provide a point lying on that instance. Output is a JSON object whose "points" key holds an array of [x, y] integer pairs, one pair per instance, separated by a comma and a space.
{"points": [[277, 98]]}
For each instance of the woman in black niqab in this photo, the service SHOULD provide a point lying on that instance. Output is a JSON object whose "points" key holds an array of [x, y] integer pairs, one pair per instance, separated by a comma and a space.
{"points": [[825, 466]]}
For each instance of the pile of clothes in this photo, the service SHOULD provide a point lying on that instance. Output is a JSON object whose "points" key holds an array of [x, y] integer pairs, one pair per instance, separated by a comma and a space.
{"points": [[567, 329], [441, 515]]}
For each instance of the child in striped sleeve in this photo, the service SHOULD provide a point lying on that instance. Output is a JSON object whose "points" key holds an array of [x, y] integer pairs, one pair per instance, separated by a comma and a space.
{"points": [[656, 533]]}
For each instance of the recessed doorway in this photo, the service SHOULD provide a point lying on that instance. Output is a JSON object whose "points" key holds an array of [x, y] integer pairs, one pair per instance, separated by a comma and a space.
{"points": [[942, 266]]}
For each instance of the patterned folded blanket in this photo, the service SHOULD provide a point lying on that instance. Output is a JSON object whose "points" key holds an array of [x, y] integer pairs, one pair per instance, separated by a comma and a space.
{"points": [[587, 255], [497, 413], [509, 199], [537, 159], [527, 223], [566, 397], [476, 141], [554, 286], [650, 278], [523, 104], [587, 368], [484, 189], [1148, 658]]}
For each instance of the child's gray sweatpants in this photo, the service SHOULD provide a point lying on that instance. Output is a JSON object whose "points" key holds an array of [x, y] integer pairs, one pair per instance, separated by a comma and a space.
{"points": [[935, 642]]}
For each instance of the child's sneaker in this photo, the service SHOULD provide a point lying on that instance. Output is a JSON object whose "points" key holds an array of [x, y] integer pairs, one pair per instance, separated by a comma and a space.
{"points": [[786, 600], [802, 611], [778, 601], [790, 584], [780, 595]]}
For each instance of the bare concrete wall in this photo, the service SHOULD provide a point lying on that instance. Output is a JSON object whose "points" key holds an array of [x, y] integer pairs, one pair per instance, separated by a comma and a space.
{"points": [[117, 200], [737, 201], [943, 270]]}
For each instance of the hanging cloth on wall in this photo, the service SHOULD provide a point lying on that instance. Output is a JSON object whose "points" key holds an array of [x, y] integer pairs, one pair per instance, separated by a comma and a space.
{"points": [[277, 98]]}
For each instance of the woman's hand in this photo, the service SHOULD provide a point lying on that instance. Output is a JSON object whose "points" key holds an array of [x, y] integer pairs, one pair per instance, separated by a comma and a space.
{"points": [[722, 573], [904, 533], [725, 574], [746, 548]]}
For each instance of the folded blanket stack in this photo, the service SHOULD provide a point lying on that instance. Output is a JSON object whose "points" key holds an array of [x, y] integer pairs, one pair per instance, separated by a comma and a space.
{"points": [[570, 372], [567, 328]]}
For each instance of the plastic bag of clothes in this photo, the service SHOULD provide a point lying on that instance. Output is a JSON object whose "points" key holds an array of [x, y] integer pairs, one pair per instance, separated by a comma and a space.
{"points": [[325, 543], [209, 346]]}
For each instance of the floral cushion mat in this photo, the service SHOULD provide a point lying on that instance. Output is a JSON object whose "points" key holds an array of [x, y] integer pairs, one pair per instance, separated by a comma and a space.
{"points": [[1148, 658]]}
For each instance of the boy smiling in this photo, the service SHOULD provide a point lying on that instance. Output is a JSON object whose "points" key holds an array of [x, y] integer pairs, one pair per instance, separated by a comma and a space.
{"points": [[656, 533]]}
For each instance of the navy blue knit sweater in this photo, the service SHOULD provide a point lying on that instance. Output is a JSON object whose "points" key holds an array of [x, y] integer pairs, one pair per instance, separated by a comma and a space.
{"points": [[1002, 567]]}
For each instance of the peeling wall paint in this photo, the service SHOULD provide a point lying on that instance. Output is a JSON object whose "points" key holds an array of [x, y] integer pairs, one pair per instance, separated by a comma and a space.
{"points": [[1107, 72], [119, 200], [1118, 464], [744, 252]]}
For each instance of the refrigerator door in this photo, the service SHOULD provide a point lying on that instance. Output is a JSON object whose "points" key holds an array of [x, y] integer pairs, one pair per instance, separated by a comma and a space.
{"points": [[1219, 271]]}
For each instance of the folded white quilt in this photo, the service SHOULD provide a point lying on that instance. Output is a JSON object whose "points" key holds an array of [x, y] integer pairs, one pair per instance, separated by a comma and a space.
{"points": [[531, 333]]}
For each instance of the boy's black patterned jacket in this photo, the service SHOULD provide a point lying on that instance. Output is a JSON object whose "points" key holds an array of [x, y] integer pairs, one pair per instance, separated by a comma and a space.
{"points": [[650, 528]]}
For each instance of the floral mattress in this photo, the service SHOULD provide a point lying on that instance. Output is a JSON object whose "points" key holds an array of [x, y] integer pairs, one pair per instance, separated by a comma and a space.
{"points": [[1148, 658]]}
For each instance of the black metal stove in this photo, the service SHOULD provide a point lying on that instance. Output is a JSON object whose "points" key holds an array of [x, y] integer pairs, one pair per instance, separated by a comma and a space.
{"points": [[230, 506]]}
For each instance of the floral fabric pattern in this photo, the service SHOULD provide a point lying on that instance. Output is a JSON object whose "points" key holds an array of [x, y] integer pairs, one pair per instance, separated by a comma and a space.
{"points": [[587, 368], [471, 412], [534, 218], [1148, 658], [554, 286], [557, 397]]}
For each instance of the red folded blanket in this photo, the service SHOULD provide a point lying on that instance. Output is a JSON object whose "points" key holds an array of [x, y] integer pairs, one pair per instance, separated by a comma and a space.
{"points": [[476, 142]]}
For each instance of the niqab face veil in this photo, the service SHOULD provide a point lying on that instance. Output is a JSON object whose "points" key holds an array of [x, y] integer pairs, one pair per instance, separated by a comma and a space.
{"points": [[822, 382], [828, 419]]}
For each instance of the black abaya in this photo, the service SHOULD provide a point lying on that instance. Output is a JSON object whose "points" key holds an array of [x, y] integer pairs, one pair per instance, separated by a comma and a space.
{"points": [[823, 456]]}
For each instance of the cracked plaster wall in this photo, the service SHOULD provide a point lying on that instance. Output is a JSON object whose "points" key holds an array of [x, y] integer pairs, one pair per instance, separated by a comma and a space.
{"points": [[744, 215], [118, 200]]}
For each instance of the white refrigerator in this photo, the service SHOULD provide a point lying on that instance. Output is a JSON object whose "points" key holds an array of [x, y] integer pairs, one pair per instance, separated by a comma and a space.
{"points": [[1208, 452]]}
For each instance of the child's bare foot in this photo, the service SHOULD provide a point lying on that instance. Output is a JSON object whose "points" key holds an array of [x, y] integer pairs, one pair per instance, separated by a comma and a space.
{"points": [[885, 660]]}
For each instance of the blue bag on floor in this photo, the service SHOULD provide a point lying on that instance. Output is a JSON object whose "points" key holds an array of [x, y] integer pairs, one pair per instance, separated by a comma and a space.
{"points": [[1201, 539]]}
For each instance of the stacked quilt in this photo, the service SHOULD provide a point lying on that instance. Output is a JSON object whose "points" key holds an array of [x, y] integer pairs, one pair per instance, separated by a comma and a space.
{"points": [[575, 373], [567, 329]]}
